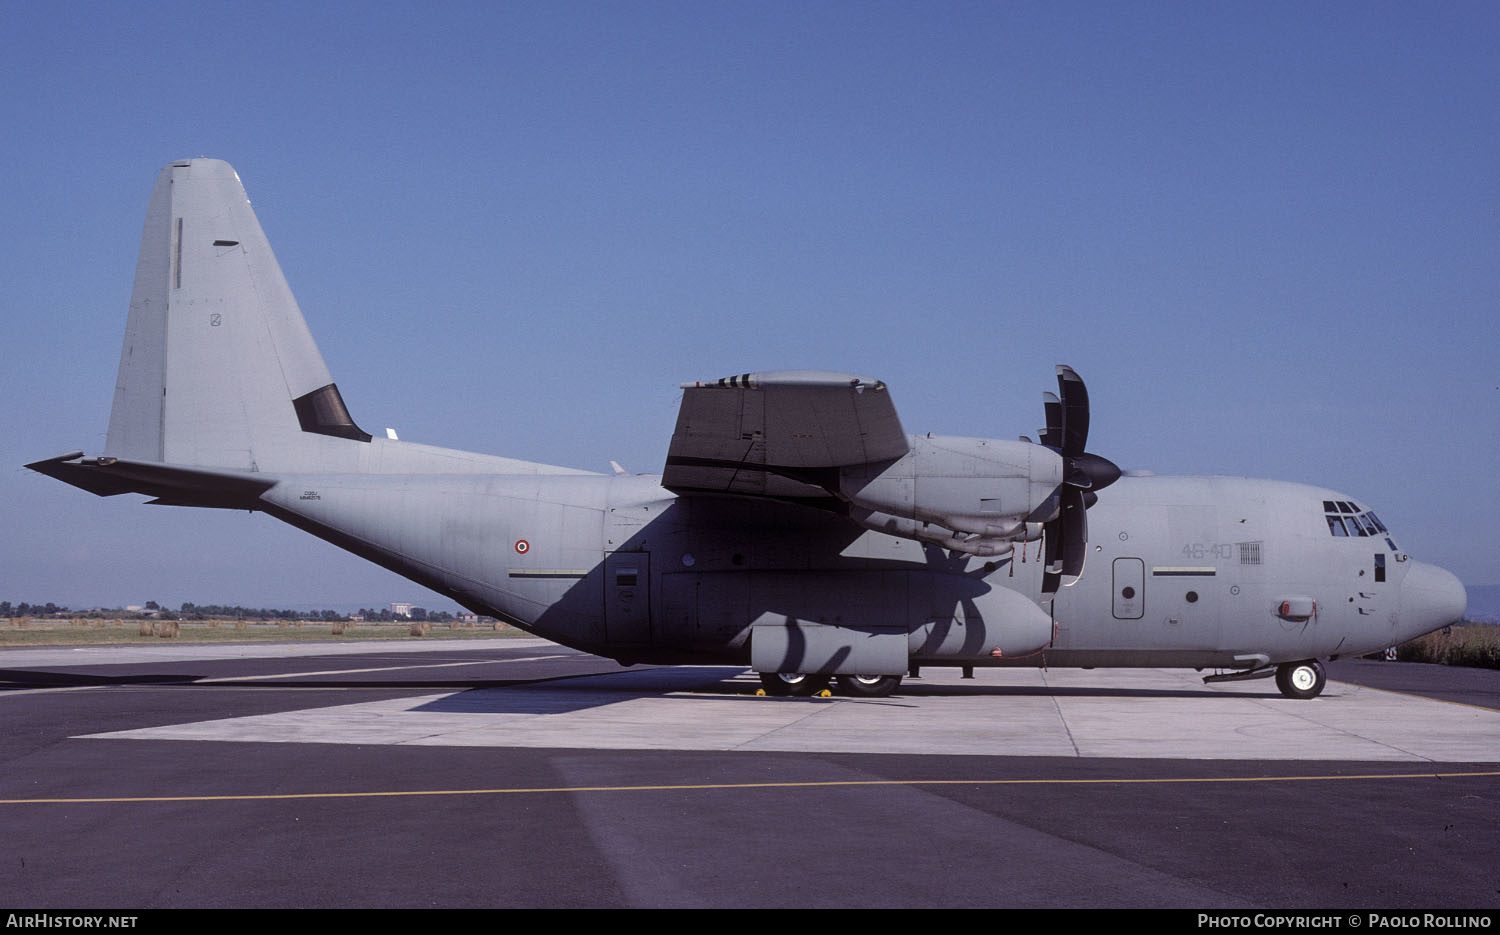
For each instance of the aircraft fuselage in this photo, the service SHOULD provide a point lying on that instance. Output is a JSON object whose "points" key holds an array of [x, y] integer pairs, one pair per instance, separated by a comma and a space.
{"points": [[1218, 572]]}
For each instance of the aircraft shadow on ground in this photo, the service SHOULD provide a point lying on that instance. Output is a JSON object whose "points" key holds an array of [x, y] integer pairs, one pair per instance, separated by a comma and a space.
{"points": [[576, 692], [14, 679], [689, 684]]}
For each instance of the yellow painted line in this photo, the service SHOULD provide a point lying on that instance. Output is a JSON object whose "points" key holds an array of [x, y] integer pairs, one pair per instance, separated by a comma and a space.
{"points": [[691, 787]]}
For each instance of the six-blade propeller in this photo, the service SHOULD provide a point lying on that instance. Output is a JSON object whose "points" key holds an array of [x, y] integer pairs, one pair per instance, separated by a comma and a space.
{"points": [[1065, 528]]}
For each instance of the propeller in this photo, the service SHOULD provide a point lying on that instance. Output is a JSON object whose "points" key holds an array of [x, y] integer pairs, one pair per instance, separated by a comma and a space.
{"points": [[1066, 531]]}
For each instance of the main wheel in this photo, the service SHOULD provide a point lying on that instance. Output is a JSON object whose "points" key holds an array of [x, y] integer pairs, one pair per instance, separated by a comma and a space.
{"points": [[869, 686], [1303, 679], [796, 684]]}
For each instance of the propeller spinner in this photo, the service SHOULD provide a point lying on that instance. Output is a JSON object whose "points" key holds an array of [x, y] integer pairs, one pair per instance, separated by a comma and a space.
{"points": [[1064, 512]]}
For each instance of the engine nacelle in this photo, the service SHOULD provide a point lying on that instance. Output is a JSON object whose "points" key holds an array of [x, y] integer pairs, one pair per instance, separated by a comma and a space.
{"points": [[978, 492]]}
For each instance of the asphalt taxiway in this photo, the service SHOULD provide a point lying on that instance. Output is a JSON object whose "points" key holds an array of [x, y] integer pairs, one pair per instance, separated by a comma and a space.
{"points": [[519, 773]]}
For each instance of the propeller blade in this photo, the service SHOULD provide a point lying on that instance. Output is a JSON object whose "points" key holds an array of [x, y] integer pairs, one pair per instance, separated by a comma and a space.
{"points": [[1075, 533], [1064, 513], [1066, 540], [1052, 434], [1075, 411], [1051, 545]]}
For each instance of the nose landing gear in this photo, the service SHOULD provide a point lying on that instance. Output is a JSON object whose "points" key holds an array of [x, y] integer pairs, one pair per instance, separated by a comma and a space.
{"points": [[1303, 679]]}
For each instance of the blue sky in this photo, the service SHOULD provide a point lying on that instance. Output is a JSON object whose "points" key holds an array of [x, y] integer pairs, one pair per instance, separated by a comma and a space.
{"points": [[1266, 234]]}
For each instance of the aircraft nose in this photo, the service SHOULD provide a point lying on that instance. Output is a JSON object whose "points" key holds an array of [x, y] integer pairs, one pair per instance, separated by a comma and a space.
{"points": [[1431, 598]]}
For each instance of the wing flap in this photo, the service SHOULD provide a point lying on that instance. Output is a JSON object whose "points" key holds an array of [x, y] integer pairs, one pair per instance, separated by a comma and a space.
{"points": [[780, 434]]}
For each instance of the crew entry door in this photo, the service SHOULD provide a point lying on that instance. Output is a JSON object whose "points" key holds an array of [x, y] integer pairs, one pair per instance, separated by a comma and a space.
{"points": [[627, 597], [1129, 588]]}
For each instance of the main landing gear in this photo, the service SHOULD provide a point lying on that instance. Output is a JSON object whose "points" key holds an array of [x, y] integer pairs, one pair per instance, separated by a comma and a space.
{"points": [[1303, 679], [869, 686], [795, 684]]}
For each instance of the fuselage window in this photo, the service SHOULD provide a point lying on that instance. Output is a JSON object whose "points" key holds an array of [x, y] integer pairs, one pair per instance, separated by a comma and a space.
{"points": [[1336, 526]]}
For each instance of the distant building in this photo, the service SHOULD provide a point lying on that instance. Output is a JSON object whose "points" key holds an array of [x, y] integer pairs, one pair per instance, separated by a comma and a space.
{"points": [[401, 608]]}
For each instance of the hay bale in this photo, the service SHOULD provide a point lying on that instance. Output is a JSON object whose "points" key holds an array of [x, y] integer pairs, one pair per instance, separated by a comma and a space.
{"points": [[419, 627], [147, 628]]}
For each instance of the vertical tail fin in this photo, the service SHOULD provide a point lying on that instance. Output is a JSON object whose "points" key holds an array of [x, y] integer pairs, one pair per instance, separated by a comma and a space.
{"points": [[218, 368]]}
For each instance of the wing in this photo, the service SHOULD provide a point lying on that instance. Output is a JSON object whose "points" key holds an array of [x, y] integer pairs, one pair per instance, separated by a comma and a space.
{"points": [[780, 434]]}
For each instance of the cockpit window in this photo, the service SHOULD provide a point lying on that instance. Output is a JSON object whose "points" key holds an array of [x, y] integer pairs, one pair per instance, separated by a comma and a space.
{"points": [[1345, 519]]}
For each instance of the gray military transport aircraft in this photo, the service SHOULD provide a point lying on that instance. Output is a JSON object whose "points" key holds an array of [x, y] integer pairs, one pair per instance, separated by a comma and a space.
{"points": [[797, 527]]}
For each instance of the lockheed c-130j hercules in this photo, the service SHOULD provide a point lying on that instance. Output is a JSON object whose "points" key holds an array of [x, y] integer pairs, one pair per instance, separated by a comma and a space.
{"points": [[797, 527]]}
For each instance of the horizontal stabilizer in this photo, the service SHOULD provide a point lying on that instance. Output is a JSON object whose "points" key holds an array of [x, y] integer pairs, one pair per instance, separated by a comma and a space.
{"points": [[178, 486]]}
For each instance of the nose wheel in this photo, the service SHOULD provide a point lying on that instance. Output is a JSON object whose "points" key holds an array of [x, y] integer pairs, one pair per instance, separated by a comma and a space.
{"points": [[1303, 679]]}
